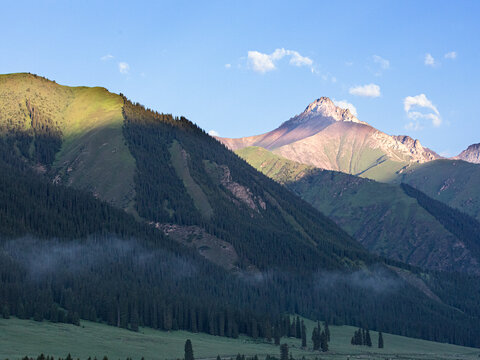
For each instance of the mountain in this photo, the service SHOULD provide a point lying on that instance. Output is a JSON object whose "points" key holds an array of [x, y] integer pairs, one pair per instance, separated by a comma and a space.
{"points": [[328, 137], [470, 154], [119, 214], [384, 218]]}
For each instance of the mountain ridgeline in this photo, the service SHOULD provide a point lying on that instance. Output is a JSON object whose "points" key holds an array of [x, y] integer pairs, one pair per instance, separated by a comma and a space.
{"points": [[137, 208]]}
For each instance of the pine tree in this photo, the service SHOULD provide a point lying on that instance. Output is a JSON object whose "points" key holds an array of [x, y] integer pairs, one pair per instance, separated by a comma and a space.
{"points": [[368, 339], [188, 350], [304, 335], [327, 331], [284, 352], [298, 328], [380, 340], [323, 342], [315, 339]]}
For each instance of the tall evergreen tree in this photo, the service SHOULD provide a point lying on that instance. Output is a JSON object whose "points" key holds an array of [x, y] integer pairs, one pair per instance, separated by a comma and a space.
{"points": [[327, 331], [323, 342], [368, 339], [315, 339], [380, 340], [188, 350], [298, 328], [276, 334], [304, 335]]}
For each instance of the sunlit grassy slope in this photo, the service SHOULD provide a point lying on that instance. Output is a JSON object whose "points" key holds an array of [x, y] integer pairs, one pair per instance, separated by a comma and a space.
{"points": [[25, 337], [454, 182], [90, 121]]}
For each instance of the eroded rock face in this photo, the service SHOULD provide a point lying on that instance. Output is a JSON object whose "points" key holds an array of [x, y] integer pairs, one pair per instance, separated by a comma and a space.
{"points": [[418, 152], [213, 249], [240, 192], [470, 154]]}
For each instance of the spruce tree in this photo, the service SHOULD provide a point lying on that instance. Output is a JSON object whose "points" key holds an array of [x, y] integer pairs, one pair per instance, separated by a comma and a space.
{"points": [[323, 342], [298, 328], [188, 350], [368, 339], [327, 331], [315, 339], [380, 340], [304, 335], [284, 352]]}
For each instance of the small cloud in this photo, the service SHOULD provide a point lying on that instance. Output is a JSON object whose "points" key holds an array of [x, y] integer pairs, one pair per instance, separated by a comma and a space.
{"points": [[429, 60], [262, 63], [123, 67], [384, 63], [412, 105], [348, 63], [106, 57], [344, 104], [451, 55], [228, 66], [369, 90], [213, 133]]}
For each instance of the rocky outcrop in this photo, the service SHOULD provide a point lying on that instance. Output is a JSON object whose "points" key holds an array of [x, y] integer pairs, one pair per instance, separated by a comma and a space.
{"points": [[240, 192], [418, 152], [470, 154]]}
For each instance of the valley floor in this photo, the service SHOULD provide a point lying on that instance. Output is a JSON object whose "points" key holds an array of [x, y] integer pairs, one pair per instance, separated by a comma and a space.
{"points": [[25, 337]]}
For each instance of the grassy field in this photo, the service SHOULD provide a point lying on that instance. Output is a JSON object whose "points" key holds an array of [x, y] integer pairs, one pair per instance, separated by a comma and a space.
{"points": [[25, 337]]}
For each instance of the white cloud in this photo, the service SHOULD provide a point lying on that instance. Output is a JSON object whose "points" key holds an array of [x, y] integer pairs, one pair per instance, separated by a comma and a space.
{"points": [[228, 66], [429, 60], [263, 63], [411, 105], [106, 57], [213, 133], [451, 55], [384, 63], [369, 90], [123, 67], [344, 104]]}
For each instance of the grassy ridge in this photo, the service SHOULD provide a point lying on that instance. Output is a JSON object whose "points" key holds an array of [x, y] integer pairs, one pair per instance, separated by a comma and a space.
{"points": [[88, 124], [22, 337]]}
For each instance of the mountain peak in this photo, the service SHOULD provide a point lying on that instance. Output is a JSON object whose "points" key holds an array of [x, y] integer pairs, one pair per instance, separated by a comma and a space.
{"points": [[471, 154], [326, 108]]}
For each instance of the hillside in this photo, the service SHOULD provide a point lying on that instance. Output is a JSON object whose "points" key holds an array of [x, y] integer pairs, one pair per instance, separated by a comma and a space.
{"points": [[382, 217], [269, 241], [25, 337], [454, 182], [331, 138]]}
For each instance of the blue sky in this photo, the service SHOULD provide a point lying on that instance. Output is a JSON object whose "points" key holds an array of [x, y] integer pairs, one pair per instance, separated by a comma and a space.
{"points": [[243, 67]]}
